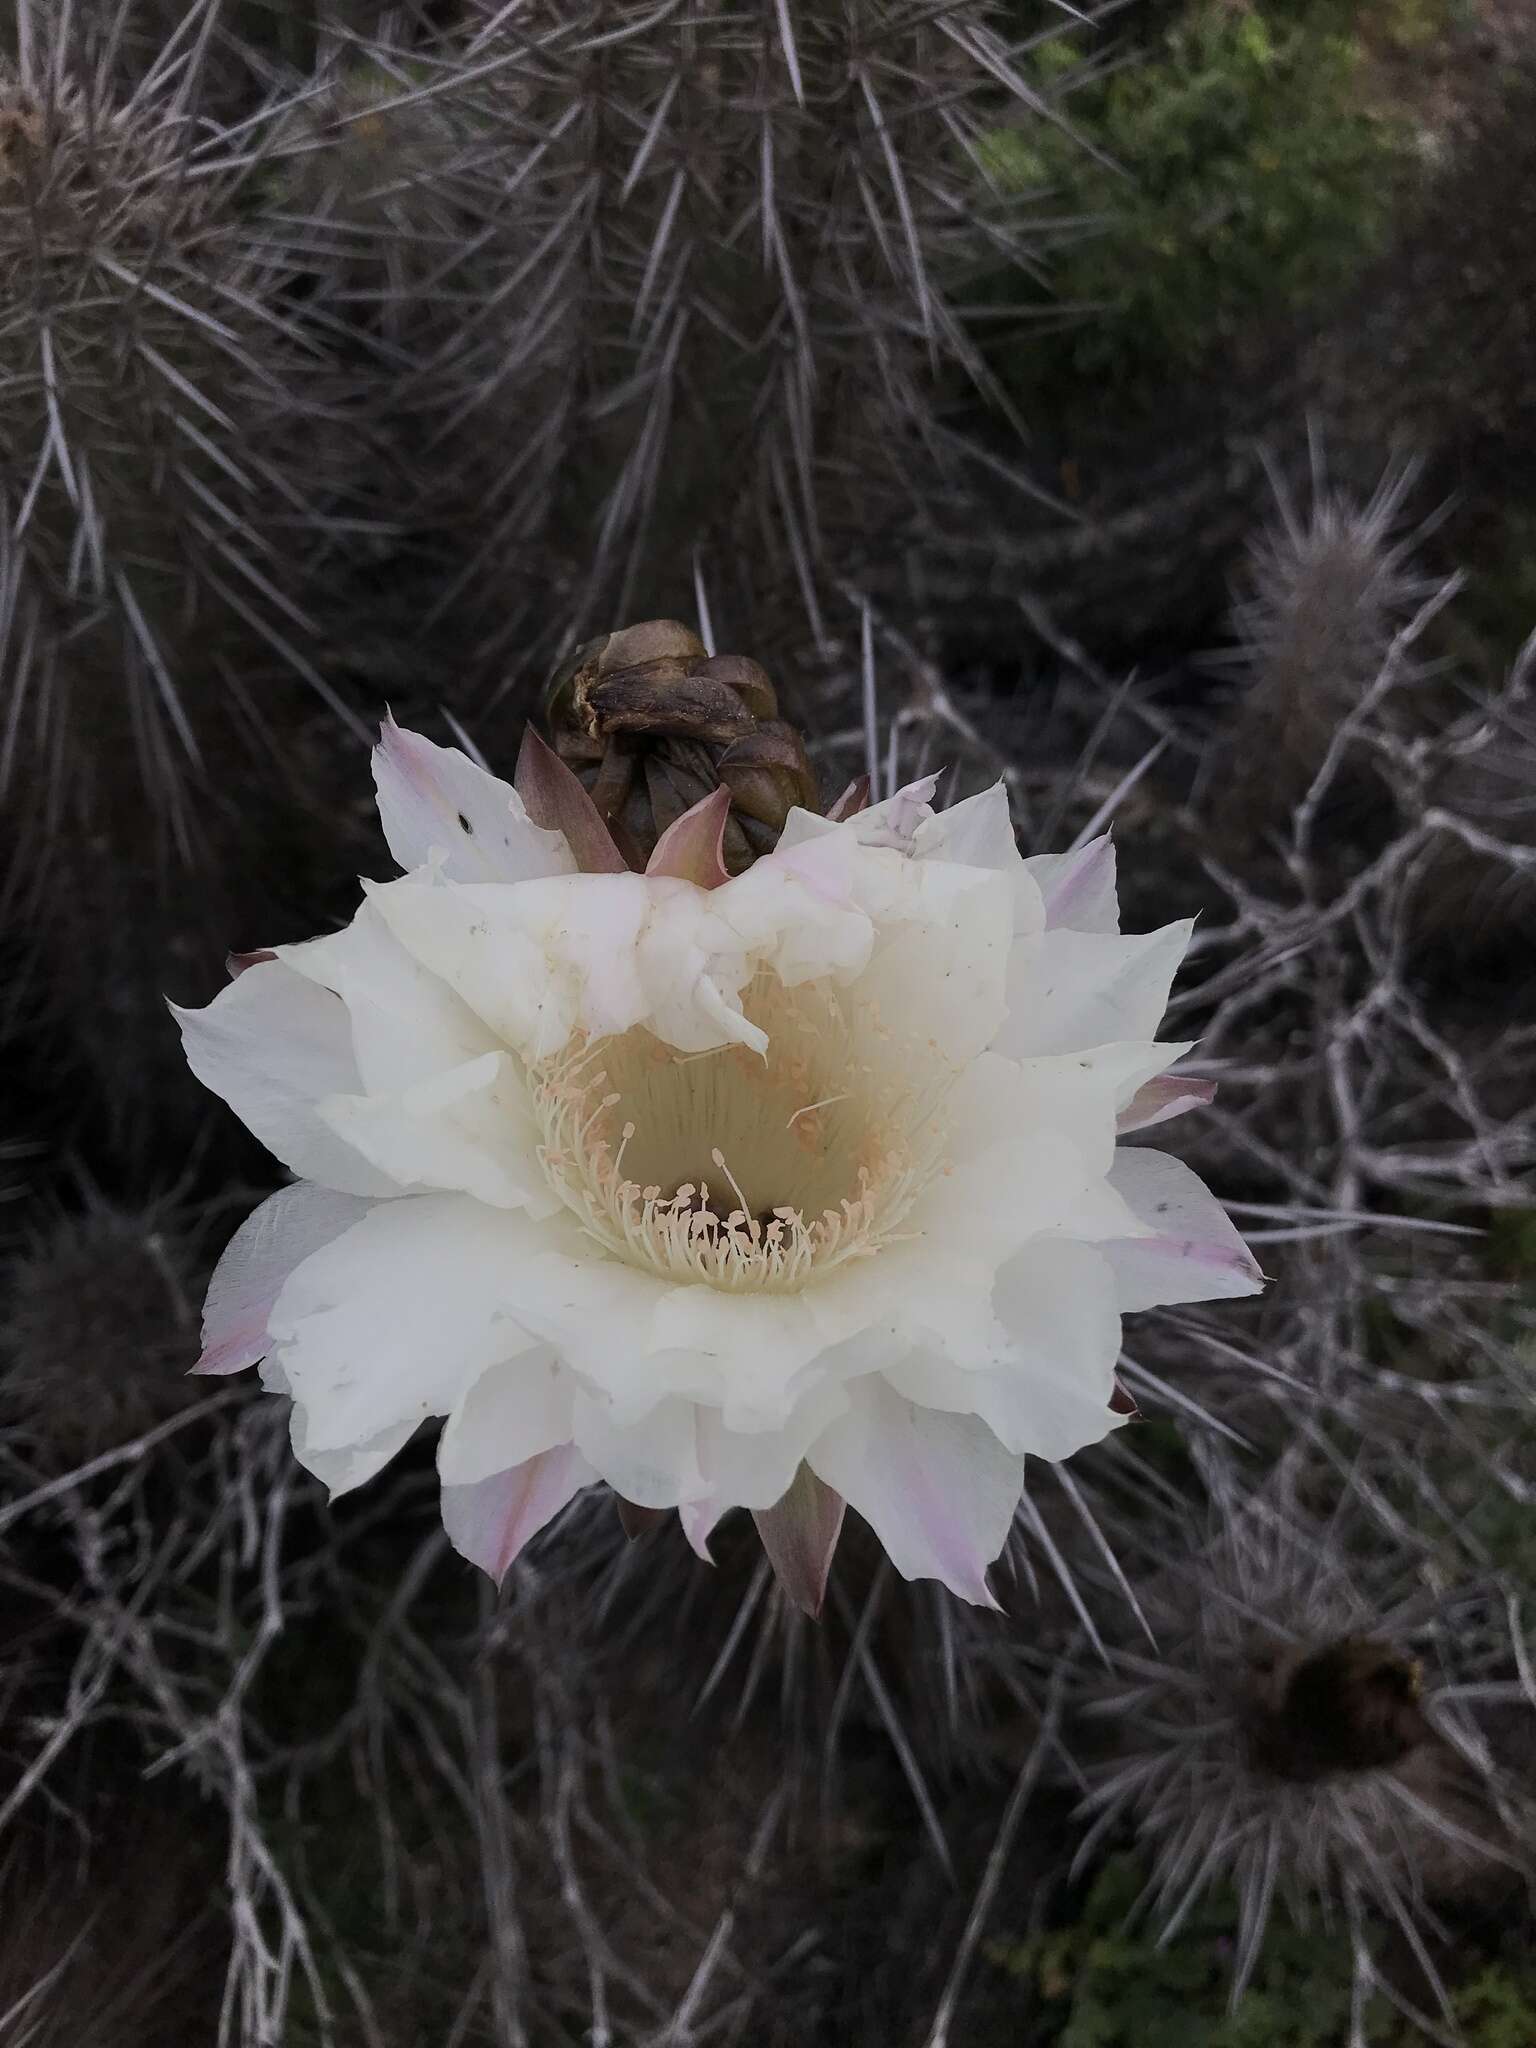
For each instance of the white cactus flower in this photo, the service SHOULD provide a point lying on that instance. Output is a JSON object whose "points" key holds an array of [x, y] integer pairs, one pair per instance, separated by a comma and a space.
{"points": [[777, 1191]]}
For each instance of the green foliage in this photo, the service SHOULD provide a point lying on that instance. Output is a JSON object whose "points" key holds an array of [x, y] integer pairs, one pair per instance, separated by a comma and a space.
{"points": [[1242, 170], [1497, 2007], [1106, 1986]]}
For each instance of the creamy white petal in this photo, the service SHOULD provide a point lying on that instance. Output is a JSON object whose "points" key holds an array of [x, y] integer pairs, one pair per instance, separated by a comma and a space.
{"points": [[512, 1411], [799, 914], [939, 968], [435, 800], [753, 1469], [469, 1129], [536, 962], [353, 1464], [938, 1490], [653, 1462], [274, 1239], [1079, 1094], [894, 822], [1069, 989], [1192, 1252], [1048, 1392], [395, 1318], [979, 833], [1078, 889], [272, 1044], [489, 1521], [750, 1355], [407, 1024], [635, 1339]]}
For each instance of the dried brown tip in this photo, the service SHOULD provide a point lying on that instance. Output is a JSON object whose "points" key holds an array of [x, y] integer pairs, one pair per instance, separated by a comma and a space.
{"points": [[653, 725]]}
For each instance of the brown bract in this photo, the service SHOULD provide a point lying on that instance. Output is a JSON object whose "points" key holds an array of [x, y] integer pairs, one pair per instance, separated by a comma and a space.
{"points": [[653, 724]]}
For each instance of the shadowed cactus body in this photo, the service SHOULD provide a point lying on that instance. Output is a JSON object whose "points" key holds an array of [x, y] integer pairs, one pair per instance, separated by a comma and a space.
{"points": [[137, 505]]}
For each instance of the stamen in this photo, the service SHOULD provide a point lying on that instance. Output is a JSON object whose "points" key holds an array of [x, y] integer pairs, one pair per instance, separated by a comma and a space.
{"points": [[826, 1102], [830, 1181]]}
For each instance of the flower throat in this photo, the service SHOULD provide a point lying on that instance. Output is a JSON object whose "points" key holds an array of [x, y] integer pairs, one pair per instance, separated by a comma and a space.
{"points": [[743, 1171]]}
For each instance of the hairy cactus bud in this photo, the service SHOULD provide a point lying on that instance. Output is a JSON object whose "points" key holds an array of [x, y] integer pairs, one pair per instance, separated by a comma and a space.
{"points": [[1347, 1705], [652, 724]]}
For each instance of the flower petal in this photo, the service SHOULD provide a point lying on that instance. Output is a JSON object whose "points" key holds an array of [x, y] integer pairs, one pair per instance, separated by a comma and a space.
{"points": [[275, 1238], [755, 1468], [537, 962], [1048, 1391], [406, 1023], [654, 1462], [939, 969], [515, 1409], [690, 850], [1080, 1094], [1078, 889], [354, 1464], [799, 1533], [855, 798], [938, 1490], [1193, 1252], [396, 1317], [893, 822], [489, 1521], [469, 1130], [1069, 989], [272, 1044], [436, 800], [1168, 1095], [556, 799]]}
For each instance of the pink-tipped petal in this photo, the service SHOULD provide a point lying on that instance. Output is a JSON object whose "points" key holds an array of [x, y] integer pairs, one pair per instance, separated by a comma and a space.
{"points": [[1168, 1096], [271, 1242], [1193, 1252], [237, 963], [699, 1519], [800, 1534], [556, 800], [691, 848], [1078, 889], [855, 798], [938, 1489], [489, 1521], [435, 801]]}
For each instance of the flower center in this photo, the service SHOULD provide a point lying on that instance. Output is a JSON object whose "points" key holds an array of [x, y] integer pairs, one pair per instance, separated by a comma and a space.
{"points": [[745, 1171]]}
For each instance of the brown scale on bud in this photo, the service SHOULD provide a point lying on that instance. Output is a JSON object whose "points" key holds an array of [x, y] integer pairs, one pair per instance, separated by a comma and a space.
{"points": [[1348, 1705], [652, 724]]}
